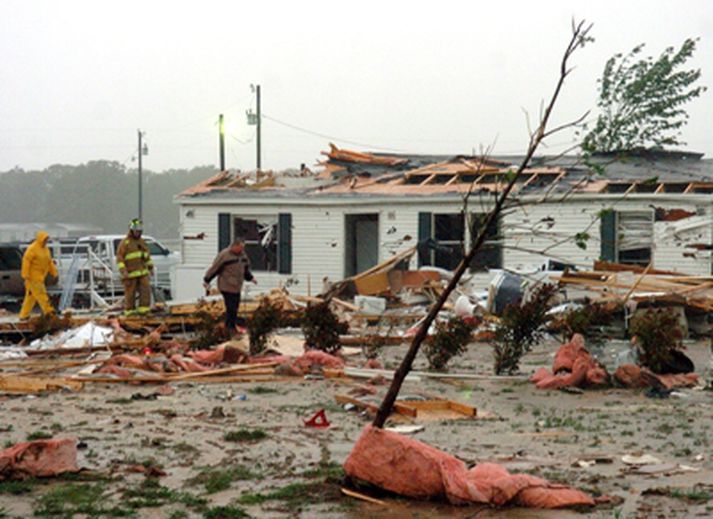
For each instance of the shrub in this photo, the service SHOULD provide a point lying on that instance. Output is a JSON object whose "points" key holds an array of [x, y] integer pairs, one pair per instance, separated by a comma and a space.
{"points": [[657, 334], [209, 330], [264, 320], [451, 339], [322, 328], [584, 320], [520, 327]]}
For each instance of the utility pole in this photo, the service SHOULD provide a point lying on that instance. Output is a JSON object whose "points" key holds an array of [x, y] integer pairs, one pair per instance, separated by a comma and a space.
{"points": [[143, 150], [254, 119], [221, 128], [259, 123]]}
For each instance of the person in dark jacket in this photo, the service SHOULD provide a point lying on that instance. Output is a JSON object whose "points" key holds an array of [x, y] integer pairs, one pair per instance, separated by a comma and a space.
{"points": [[232, 267]]}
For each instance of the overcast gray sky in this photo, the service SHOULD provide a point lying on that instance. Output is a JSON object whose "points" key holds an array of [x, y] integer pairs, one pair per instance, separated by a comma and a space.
{"points": [[78, 78]]}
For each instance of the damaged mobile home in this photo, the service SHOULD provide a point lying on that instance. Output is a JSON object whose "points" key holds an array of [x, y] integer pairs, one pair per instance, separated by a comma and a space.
{"points": [[302, 229]]}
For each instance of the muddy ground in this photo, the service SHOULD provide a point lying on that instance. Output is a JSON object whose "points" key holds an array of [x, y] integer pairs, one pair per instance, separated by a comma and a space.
{"points": [[241, 450]]}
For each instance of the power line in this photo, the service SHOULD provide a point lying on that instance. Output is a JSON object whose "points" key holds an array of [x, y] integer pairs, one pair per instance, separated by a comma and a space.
{"points": [[330, 137], [244, 142]]}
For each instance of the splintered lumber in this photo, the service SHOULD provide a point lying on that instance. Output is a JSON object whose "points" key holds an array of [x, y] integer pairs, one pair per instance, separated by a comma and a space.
{"points": [[372, 284], [398, 407], [242, 370], [244, 379], [113, 347], [381, 340], [366, 373], [263, 375], [417, 375], [225, 371], [363, 497], [440, 409], [59, 366], [376, 279], [347, 306], [22, 384], [621, 267], [436, 409], [695, 292]]}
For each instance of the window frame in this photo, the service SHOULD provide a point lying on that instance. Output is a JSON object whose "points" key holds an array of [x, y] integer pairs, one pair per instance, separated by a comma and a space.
{"points": [[253, 245], [630, 254], [491, 255]]}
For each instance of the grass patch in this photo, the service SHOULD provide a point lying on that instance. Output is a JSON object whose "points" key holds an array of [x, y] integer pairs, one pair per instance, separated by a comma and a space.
{"points": [[330, 471], [261, 390], [225, 512], [214, 479], [554, 421], [38, 435], [74, 498], [665, 428], [245, 435], [17, 487], [83, 476], [699, 493], [150, 494], [295, 494], [120, 401], [186, 448]]}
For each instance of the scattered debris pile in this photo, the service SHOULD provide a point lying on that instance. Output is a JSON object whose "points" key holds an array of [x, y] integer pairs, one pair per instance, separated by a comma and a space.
{"points": [[622, 283], [574, 366]]}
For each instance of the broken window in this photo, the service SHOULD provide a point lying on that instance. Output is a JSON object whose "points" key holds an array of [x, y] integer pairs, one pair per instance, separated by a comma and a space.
{"points": [[490, 256], [448, 234], [635, 237], [260, 234], [442, 240], [627, 236]]}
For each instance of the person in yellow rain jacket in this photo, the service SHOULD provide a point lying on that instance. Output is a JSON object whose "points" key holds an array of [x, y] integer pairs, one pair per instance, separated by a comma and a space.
{"points": [[134, 262], [36, 264]]}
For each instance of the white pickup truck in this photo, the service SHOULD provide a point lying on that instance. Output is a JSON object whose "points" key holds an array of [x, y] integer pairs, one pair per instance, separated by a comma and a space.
{"points": [[90, 262]]}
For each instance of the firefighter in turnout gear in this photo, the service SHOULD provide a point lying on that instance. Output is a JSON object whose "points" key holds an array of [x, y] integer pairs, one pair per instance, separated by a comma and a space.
{"points": [[134, 262]]}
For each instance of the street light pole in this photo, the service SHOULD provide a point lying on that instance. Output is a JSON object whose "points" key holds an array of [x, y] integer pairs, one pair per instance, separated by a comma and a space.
{"points": [[143, 150], [140, 180], [221, 142], [259, 123]]}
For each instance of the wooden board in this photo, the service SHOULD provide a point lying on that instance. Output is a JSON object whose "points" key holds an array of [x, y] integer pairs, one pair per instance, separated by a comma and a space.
{"points": [[401, 409], [426, 410], [373, 284], [440, 409], [20, 384]]}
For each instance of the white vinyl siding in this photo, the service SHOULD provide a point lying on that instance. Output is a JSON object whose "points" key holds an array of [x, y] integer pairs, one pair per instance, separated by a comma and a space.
{"points": [[318, 234]]}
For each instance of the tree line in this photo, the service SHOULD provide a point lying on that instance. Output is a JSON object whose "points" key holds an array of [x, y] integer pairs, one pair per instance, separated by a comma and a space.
{"points": [[100, 193]]}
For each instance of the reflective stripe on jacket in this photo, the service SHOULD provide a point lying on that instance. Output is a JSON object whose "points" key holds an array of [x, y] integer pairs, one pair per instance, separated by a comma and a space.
{"points": [[133, 256]]}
